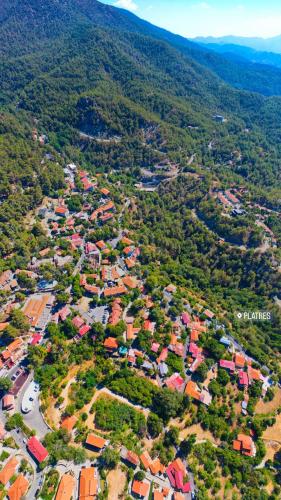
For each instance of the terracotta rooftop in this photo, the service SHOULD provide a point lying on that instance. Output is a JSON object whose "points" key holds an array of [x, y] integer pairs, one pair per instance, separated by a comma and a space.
{"points": [[88, 484], [8, 470], [66, 487], [95, 441], [140, 488], [19, 488]]}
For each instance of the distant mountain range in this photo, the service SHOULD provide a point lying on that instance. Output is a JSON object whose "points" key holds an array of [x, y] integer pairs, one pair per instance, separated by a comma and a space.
{"points": [[261, 44]]}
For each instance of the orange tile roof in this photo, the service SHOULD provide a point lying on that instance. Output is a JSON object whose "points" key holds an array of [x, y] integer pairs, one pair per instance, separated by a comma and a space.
{"points": [[95, 441], [126, 241], [34, 308], [130, 263], [140, 488], [88, 484], [68, 423], [110, 343], [66, 487], [253, 373], [173, 340], [8, 470], [105, 191], [145, 459], [131, 331], [239, 360], [236, 445], [15, 345], [18, 488], [130, 282], [194, 335], [178, 496], [157, 495], [3, 326], [246, 441], [156, 467], [166, 491], [192, 390], [179, 466], [115, 290]]}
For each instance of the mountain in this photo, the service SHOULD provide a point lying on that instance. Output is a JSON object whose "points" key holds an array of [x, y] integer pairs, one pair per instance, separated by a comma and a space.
{"points": [[79, 66], [30, 23], [261, 44], [242, 54]]}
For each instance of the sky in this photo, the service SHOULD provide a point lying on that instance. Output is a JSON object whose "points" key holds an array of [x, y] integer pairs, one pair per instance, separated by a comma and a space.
{"points": [[191, 18]]}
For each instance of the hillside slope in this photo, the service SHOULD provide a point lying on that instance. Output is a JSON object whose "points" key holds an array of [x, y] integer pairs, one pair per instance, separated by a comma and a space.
{"points": [[81, 66]]}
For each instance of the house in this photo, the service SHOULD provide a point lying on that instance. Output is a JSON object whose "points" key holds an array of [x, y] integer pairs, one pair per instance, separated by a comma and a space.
{"points": [[185, 318], [176, 473], [126, 241], [194, 336], [171, 288], [209, 314], [88, 483], [156, 467], [19, 488], [145, 459], [131, 331], [95, 442], [8, 402], [245, 445], [243, 379], [105, 192], [140, 489], [116, 312], [78, 322], [62, 211], [91, 249], [192, 390], [239, 360], [194, 350], [111, 344], [158, 495], [149, 326], [155, 347], [163, 355], [37, 450], [8, 470], [36, 310], [69, 423], [115, 290], [254, 375], [130, 282], [128, 251], [130, 263], [5, 279], [175, 382], [129, 457], [84, 330], [228, 365], [101, 245], [64, 313], [66, 487]]}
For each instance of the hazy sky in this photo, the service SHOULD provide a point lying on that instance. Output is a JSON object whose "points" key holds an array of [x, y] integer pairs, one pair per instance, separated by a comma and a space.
{"points": [[192, 18]]}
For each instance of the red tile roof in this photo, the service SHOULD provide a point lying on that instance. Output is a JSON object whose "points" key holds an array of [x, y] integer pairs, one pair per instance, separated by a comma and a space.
{"points": [[37, 449]]}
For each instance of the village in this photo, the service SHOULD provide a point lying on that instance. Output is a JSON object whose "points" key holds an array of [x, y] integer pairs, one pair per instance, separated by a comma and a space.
{"points": [[185, 348]]}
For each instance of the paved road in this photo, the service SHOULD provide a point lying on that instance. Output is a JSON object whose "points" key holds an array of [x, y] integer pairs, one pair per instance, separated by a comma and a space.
{"points": [[33, 419]]}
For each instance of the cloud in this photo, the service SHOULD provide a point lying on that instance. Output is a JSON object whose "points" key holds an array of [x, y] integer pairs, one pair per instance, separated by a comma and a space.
{"points": [[126, 4]]}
